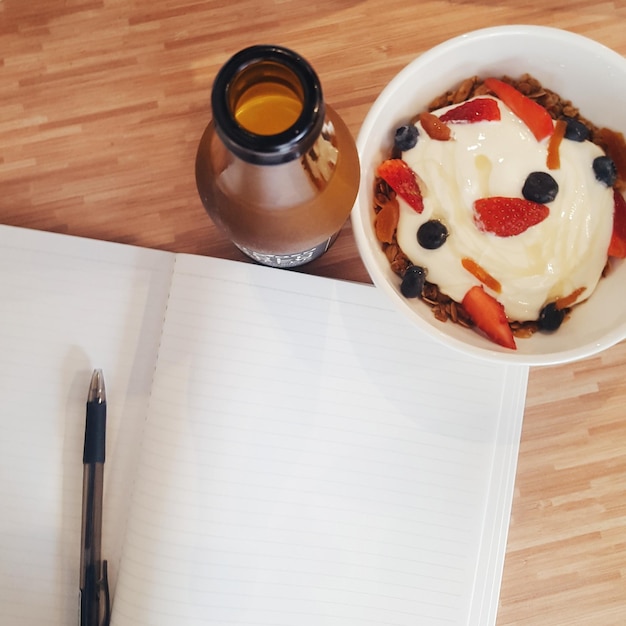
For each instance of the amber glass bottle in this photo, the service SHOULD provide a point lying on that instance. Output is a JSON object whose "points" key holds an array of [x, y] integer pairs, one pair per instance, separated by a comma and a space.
{"points": [[277, 170]]}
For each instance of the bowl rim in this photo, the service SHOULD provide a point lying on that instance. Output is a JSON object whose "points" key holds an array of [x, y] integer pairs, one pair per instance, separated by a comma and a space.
{"points": [[359, 220]]}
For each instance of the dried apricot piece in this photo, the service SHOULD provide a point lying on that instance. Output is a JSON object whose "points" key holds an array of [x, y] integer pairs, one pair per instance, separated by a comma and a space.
{"points": [[553, 160], [567, 301], [434, 127], [481, 274], [387, 221]]}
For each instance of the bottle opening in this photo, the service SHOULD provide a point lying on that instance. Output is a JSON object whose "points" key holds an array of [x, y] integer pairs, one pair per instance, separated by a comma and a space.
{"points": [[267, 105], [268, 99]]}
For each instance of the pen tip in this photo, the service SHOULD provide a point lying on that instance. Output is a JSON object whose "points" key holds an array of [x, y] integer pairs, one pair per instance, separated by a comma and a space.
{"points": [[97, 391]]}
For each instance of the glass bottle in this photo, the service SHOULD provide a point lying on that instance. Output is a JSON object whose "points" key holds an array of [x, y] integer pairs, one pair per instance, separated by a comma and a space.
{"points": [[277, 170]]}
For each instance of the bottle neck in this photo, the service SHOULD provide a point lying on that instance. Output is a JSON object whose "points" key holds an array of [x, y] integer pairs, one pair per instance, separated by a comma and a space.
{"points": [[267, 105]]}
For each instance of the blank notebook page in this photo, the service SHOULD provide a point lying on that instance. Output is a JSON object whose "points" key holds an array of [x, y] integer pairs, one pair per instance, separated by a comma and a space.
{"points": [[312, 459]]}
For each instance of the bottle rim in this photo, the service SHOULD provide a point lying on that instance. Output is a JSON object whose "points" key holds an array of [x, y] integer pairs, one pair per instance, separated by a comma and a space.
{"points": [[268, 149]]}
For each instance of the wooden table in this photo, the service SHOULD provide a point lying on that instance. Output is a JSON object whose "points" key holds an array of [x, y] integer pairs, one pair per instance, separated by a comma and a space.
{"points": [[102, 104]]}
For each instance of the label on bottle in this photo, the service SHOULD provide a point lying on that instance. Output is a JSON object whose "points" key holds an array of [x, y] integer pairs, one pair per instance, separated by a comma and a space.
{"points": [[289, 260]]}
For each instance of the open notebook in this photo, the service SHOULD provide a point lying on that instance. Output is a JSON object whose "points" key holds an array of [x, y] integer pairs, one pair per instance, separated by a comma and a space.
{"points": [[282, 449]]}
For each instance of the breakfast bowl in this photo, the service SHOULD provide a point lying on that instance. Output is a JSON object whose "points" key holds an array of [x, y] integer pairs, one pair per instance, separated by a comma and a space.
{"points": [[580, 70]]}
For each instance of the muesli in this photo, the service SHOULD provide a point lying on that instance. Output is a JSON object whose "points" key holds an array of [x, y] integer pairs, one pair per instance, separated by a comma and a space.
{"points": [[500, 205]]}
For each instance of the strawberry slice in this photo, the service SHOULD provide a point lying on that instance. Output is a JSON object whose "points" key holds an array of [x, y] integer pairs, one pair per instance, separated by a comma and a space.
{"points": [[489, 316], [532, 114], [617, 247], [506, 217], [402, 179], [477, 110]]}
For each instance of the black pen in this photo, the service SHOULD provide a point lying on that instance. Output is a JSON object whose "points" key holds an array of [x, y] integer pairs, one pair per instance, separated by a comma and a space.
{"points": [[94, 588]]}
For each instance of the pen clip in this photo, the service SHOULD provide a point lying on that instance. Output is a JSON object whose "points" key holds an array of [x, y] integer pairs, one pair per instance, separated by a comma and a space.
{"points": [[104, 597]]}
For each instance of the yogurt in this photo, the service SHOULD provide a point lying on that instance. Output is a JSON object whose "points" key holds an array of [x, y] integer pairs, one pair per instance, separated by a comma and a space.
{"points": [[552, 259]]}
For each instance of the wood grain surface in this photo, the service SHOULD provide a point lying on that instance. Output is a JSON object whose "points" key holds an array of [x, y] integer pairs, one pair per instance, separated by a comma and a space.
{"points": [[102, 104]]}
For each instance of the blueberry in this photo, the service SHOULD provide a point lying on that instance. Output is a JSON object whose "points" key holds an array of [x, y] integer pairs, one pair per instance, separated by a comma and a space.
{"points": [[605, 170], [432, 234], [540, 187], [550, 317], [413, 281], [406, 137], [575, 129]]}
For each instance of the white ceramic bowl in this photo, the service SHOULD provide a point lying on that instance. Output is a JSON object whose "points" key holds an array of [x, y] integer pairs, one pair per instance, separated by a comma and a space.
{"points": [[589, 74]]}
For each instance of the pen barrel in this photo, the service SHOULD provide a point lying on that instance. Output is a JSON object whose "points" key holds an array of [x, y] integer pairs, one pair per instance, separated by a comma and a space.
{"points": [[94, 598], [91, 544], [89, 600], [91, 532]]}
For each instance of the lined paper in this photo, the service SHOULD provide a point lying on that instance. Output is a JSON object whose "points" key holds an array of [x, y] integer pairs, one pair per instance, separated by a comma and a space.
{"points": [[67, 306], [312, 459]]}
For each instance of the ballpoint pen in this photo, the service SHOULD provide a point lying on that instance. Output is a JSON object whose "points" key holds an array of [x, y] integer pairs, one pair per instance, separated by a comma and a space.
{"points": [[94, 588]]}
